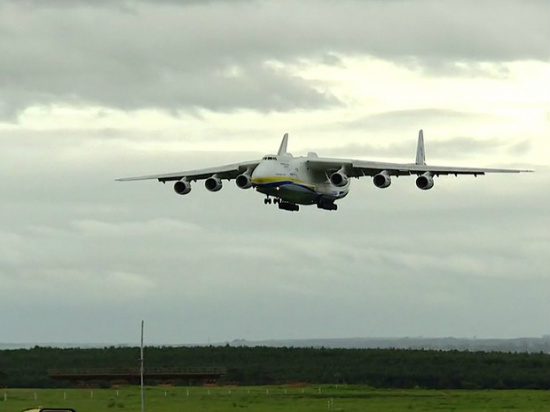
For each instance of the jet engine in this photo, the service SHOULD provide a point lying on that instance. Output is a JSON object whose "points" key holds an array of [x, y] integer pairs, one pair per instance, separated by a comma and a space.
{"points": [[213, 183], [182, 187], [338, 179], [425, 181], [244, 181], [382, 179]]}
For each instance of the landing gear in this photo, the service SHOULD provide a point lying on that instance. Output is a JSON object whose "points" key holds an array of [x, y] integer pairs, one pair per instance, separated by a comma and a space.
{"points": [[327, 204], [292, 207], [283, 205], [268, 200]]}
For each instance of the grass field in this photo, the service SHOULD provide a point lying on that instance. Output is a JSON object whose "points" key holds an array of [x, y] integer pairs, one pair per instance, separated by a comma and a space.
{"points": [[276, 398]]}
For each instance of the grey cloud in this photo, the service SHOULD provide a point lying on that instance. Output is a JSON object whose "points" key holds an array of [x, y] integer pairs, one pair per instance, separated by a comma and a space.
{"points": [[156, 57], [444, 147], [215, 55], [457, 146], [424, 118]]}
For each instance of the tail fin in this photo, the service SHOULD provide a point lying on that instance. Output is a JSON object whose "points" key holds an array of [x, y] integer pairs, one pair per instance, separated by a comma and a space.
{"points": [[420, 153], [282, 147]]}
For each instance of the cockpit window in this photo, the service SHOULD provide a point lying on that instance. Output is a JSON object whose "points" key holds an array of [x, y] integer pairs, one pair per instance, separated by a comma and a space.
{"points": [[269, 158]]}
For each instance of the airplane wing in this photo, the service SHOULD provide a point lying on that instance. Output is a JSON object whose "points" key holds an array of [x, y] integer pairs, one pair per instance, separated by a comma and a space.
{"points": [[230, 171], [359, 168]]}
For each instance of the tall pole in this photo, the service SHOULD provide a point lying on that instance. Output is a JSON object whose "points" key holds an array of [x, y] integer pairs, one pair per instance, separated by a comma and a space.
{"points": [[141, 372]]}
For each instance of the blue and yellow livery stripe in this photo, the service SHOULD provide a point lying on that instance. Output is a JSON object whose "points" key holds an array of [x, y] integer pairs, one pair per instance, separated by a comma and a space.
{"points": [[279, 181]]}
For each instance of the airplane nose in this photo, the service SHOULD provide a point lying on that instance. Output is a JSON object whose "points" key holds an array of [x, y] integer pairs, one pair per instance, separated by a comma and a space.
{"points": [[259, 171], [256, 175]]}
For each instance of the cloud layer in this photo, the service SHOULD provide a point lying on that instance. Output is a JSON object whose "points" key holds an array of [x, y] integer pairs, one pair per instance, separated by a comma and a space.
{"points": [[225, 56], [90, 92]]}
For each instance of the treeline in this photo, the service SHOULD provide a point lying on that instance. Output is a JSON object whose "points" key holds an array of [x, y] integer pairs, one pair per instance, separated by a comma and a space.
{"points": [[379, 368]]}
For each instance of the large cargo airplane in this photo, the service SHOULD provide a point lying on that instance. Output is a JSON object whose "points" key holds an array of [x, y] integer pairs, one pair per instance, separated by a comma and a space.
{"points": [[312, 180]]}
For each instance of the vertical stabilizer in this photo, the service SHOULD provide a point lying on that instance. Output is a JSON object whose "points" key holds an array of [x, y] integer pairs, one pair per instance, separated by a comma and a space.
{"points": [[420, 153], [282, 147]]}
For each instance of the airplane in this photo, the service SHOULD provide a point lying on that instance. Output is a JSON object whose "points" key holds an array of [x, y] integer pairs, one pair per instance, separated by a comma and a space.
{"points": [[289, 181]]}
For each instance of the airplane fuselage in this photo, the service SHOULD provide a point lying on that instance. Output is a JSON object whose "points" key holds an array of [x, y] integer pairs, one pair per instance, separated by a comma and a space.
{"points": [[289, 179]]}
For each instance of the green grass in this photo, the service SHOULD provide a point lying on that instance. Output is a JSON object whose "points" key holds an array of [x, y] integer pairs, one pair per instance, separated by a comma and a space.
{"points": [[276, 398]]}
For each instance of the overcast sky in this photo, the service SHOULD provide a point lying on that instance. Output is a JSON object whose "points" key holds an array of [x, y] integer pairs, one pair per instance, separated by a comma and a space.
{"points": [[94, 91]]}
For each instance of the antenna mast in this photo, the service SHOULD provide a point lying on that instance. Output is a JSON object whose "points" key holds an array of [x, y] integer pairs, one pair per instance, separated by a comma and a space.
{"points": [[141, 372]]}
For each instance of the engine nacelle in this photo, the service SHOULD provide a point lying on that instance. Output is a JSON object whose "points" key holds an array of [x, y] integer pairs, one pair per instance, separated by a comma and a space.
{"points": [[339, 179], [382, 180], [243, 181], [425, 181], [213, 184], [182, 187]]}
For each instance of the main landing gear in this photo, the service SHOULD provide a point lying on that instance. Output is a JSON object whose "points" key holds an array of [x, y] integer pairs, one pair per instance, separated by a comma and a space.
{"points": [[268, 200], [327, 204], [293, 207]]}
